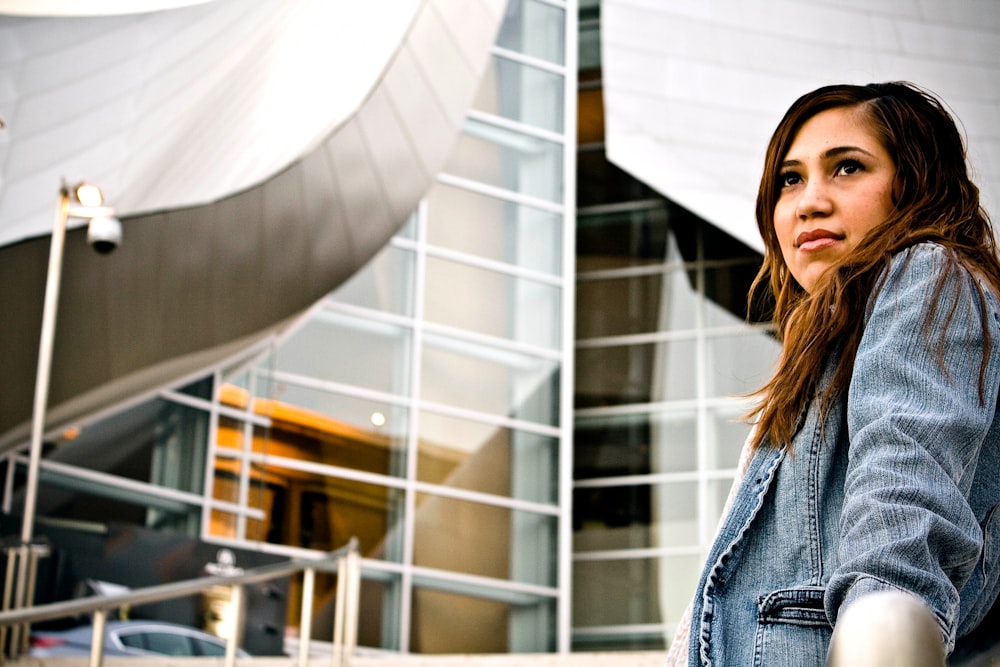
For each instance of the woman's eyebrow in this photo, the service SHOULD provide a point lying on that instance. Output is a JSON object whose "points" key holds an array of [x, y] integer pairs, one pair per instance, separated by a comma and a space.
{"points": [[836, 151], [841, 150]]}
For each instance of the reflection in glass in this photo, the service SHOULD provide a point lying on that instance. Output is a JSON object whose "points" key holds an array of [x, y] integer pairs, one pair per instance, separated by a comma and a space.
{"points": [[492, 303], [629, 374], [300, 433], [382, 284], [482, 457], [306, 509], [451, 623], [635, 516], [534, 28], [741, 363], [348, 350], [507, 159], [616, 445], [637, 591], [484, 540], [640, 304], [493, 381], [506, 87], [494, 229]]}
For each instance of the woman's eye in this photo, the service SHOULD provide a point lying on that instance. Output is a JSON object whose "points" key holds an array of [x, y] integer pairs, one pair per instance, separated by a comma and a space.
{"points": [[848, 167], [789, 178]]}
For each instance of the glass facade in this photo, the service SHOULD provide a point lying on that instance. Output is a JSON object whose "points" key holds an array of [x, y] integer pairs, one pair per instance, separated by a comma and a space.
{"points": [[525, 407], [663, 353]]}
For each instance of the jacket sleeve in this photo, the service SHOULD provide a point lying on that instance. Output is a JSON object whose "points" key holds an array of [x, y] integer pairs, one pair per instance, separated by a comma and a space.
{"points": [[916, 421]]}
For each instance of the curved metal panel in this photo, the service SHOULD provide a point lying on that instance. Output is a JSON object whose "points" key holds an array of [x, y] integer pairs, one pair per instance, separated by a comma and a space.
{"points": [[190, 287]]}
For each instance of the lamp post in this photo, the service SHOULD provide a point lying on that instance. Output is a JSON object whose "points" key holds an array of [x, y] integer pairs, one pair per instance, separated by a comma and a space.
{"points": [[84, 202]]}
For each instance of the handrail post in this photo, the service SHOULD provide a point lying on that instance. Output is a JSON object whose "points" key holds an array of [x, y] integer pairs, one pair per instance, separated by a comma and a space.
{"points": [[305, 619], [232, 642], [352, 604], [7, 586], [97, 637], [35, 551], [338, 614], [19, 599]]}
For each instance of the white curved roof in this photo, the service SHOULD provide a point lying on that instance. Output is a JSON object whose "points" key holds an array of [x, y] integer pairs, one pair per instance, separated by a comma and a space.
{"points": [[177, 107], [694, 88]]}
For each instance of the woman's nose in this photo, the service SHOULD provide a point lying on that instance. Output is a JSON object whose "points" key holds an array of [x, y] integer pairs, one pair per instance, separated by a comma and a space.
{"points": [[814, 200]]}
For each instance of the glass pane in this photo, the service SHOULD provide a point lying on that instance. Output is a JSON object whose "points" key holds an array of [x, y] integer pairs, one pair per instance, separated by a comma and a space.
{"points": [[635, 444], [635, 516], [476, 377], [522, 93], [634, 304], [726, 288], [348, 350], [535, 29], [491, 303], [451, 623], [600, 182], [630, 374], [738, 365], [209, 648], [318, 418], [627, 592], [383, 284], [622, 239], [727, 433], [471, 455], [376, 443], [507, 159], [169, 644], [494, 229], [484, 540], [309, 509], [589, 46]]}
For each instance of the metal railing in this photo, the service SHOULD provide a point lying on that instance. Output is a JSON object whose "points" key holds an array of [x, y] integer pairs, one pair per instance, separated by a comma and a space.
{"points": [[345, 561]]}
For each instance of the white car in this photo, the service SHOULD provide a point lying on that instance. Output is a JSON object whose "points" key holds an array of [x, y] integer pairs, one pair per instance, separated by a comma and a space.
{"points": [[131, 638]]}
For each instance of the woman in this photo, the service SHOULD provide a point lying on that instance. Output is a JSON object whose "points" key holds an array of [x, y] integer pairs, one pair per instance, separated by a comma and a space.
{"points": [[874, 464]]}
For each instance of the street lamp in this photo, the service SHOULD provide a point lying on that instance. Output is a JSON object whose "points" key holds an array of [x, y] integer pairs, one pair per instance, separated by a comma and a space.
{"points": [[104, 234], [85, 202]]}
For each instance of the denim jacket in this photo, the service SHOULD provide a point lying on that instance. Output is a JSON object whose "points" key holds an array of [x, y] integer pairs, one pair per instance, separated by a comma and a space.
{"points": [[897, 488]]}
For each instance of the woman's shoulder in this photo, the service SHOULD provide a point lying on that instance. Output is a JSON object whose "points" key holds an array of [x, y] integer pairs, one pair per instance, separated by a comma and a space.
{"points": [[936, 267], [929, 259]]}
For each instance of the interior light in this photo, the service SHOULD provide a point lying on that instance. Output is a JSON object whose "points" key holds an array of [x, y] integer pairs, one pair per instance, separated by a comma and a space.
{"points": [[378, 419], [89, 194]]}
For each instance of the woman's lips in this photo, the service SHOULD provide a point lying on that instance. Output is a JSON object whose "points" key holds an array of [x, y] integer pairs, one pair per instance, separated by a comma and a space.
{"points": [[816, 239]]}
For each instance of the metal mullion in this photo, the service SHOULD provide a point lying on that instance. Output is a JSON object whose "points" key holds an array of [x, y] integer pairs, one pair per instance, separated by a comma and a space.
{"points": [[515, 126], [405, 616], [496, 266], [645, 553], [488, 418], [489, 499], [531, 61], [502, 194]]}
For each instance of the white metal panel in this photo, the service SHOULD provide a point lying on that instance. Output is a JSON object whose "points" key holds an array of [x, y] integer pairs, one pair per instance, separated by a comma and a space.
{"points": [[694, 88], [180, 107]]}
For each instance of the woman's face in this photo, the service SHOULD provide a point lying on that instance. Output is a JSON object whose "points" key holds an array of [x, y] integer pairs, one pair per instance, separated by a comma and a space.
{"points": [[835, 186]]}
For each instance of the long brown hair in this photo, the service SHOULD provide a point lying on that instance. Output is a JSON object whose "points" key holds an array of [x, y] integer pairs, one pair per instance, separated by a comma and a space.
{"points": [[935, 200]]}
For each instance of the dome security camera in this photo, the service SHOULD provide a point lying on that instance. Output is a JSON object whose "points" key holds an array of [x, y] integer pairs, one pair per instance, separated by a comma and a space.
{"points": [[104, 234]]}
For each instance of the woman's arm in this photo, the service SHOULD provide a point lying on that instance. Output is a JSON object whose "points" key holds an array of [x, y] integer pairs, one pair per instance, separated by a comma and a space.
{"points": [[916, 421]]}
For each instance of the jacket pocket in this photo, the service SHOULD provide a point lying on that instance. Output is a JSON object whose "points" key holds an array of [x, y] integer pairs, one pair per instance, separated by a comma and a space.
{"points": [[792, 628], [980, 592]]}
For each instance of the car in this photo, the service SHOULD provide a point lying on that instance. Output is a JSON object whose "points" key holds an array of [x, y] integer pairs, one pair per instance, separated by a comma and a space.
{"points": [[135, 638]]}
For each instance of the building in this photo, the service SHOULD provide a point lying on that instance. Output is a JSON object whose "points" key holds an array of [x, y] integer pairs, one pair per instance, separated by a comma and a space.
{"points": [[526, 403]]}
